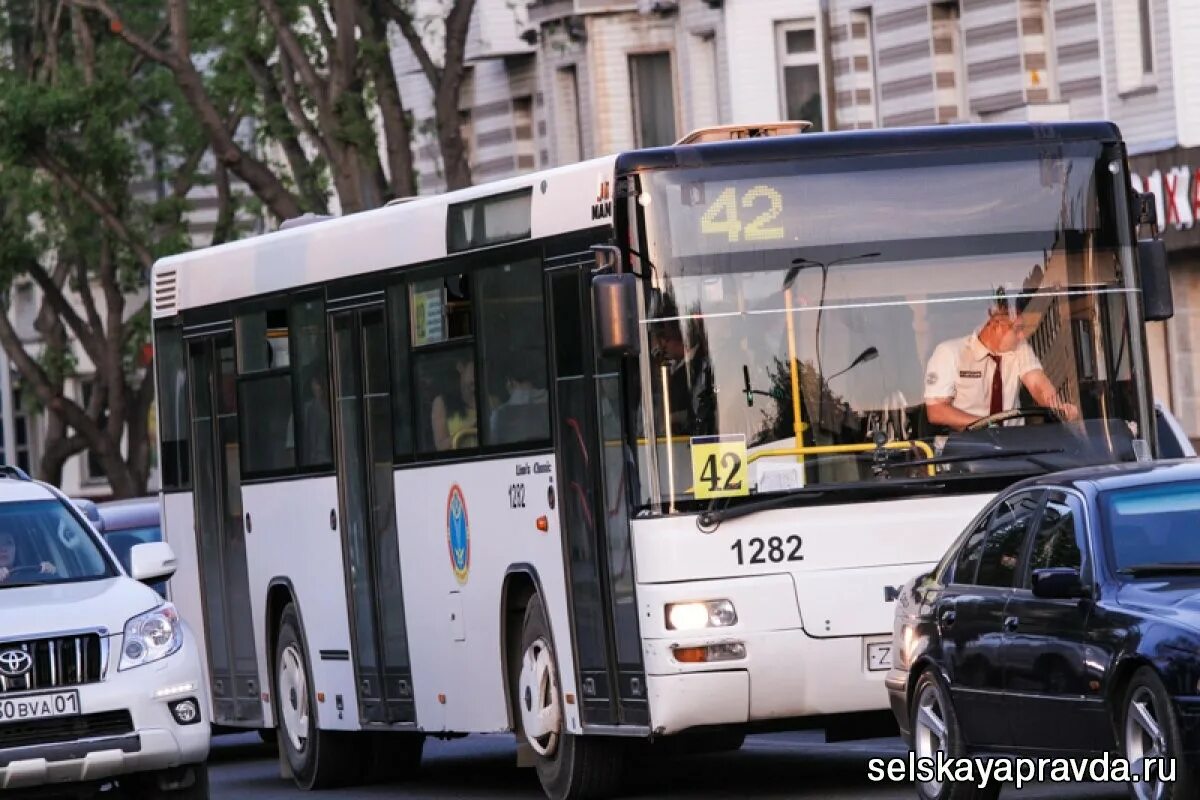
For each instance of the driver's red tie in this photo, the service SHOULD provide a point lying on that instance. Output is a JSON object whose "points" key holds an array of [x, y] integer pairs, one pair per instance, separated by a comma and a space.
{"points": [[997, 386]]}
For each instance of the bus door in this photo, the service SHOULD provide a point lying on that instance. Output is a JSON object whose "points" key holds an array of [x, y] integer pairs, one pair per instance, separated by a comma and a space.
{"points": [[221, 539], [591, 452], [370, 544]]}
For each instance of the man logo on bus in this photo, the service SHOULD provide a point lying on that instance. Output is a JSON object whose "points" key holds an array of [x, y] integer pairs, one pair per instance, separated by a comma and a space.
{"points": [[458, 533], [602, 208]]}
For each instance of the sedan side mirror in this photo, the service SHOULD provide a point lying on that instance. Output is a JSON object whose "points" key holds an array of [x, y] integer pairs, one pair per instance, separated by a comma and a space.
{"points": [[1058, 583], [151, 561]]}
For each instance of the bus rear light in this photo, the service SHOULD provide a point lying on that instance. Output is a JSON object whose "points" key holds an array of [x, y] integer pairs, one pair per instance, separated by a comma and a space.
{"points": [[726, 651], [695, 616]]}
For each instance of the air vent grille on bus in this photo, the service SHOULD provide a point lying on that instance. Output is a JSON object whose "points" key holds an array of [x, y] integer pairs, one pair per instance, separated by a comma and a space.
{"points": [[166, 292]]}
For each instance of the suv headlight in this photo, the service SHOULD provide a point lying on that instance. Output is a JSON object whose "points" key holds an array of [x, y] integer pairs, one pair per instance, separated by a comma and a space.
{"points": [[151, 636]]}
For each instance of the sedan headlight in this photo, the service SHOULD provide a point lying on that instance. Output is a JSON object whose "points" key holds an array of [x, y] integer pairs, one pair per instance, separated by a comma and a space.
{"points": [[694, 616], [151, 636]]}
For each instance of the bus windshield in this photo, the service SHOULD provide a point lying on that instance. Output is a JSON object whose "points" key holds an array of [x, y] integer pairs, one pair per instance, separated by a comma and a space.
{"points": [[805, 317]]}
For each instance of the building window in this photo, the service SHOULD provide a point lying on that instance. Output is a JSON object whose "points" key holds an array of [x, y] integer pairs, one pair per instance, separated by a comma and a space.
{"points": [[1146, 33], [949, 73], [568, 122], [799, 57], [22, 457], [1133, 27], [1037, 51], [653, 99]]}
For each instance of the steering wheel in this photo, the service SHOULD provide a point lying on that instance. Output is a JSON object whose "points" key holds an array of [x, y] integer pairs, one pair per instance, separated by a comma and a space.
{"points": [[993, 420], [26, 571]]}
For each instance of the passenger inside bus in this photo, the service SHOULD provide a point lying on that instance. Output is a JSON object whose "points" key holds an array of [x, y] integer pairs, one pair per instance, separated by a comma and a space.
{"points": [[452, 416], [524, 415]]}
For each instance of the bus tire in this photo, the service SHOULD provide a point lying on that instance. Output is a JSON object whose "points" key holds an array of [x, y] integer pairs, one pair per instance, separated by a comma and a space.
{"points": [[318, 759], [569, 767]]}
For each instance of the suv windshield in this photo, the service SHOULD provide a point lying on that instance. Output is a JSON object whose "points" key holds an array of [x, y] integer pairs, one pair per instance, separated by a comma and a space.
{"points": [[800, 313], [41, 541]]}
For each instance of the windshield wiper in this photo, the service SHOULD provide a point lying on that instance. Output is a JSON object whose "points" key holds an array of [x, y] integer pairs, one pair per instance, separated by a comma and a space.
{"points": [[709, 520], [19, 585], [985, 456], [1181, 568]]}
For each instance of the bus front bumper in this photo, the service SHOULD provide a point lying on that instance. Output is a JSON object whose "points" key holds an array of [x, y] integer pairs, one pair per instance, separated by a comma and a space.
{"points": [[783, 674]]}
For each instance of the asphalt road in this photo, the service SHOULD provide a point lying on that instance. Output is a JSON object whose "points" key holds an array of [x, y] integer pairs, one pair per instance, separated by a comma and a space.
{"points": [[792, 765]]}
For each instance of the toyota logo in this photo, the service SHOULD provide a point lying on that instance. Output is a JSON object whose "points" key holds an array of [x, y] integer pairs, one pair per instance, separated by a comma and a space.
{"points": [[15, 663]]}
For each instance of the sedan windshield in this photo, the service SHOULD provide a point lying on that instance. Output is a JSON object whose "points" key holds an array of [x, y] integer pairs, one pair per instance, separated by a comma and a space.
{"points": [[41, 541], [805, 317], [1152, 529]]}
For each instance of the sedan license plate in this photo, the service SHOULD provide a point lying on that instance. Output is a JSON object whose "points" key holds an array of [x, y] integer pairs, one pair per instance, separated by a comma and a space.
{"points": [[39, 706], [879, 656]]}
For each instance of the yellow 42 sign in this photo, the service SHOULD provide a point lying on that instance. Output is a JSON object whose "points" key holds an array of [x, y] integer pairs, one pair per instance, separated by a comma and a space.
{"points": [[719, 466], [762, 205]]}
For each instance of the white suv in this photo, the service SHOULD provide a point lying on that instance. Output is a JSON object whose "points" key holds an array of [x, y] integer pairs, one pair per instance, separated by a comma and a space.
{"points": [[101, 682]]}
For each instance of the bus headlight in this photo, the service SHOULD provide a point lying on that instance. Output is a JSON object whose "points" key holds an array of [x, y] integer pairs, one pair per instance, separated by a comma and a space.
{"points": [[695, 616], [150, 637]]}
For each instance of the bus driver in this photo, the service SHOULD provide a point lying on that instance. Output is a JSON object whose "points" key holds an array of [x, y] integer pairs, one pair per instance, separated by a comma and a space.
{"points": [[977, 376]]}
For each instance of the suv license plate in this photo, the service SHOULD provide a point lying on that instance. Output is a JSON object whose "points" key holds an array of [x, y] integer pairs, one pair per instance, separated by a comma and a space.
{"points": [[879, 656], [39, 706]]}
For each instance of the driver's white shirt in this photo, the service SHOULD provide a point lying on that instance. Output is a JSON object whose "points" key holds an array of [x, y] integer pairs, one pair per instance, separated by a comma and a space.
{"points": [[960, 371]]}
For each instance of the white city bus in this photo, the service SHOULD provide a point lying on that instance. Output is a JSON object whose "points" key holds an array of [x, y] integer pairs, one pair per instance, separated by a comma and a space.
{"points": [[630, 448]]}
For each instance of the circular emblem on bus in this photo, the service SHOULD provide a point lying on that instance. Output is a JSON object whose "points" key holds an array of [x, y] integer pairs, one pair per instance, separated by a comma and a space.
{"points": [[458, 533]]}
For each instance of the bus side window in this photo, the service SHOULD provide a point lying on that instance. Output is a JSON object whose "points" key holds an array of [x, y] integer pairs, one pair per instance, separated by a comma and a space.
{"points": [[398, 332], [265, 393], [512, 343], [312, 383]]}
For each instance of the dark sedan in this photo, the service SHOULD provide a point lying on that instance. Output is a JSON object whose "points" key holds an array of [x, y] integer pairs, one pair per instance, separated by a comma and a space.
{"points": [[1064, 620]]}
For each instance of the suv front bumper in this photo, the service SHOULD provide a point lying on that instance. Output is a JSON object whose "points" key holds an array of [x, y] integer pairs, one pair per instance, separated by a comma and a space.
{"points": [[154, 740]]}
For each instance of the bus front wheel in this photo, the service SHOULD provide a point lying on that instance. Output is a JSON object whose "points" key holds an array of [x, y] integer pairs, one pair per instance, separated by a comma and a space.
{"points": [[318, 759], [569, 767]]}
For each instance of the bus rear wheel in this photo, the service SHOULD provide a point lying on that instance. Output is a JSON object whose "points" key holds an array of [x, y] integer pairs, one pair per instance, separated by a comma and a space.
{"points": [[569, 767], [318, 759]]}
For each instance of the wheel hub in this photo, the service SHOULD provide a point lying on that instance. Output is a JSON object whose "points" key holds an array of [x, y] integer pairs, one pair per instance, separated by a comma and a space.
{"points": [[929, 731], [1144, 740], [293, 683], [541, 711]]}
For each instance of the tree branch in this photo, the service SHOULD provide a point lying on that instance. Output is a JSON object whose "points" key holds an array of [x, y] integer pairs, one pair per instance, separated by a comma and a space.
{"points": [[108, 215], [396, 131], [278, 117], [254, 172], [223, 230], [290, 44], [85, 44], [51, 396], [64, 310], [408, 30], [118, 27], [322, 24]]}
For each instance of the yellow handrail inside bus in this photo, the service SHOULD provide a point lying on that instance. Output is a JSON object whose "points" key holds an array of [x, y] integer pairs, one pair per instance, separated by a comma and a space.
{"points": [[794, 367]]}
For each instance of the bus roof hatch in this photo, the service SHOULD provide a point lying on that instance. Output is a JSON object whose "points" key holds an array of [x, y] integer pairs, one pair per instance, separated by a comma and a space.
{"points": [[725, 133]]}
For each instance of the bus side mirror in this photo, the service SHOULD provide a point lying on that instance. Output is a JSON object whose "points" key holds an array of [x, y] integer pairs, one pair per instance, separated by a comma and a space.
{"points": [[614, 298], [1157, 302]]}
